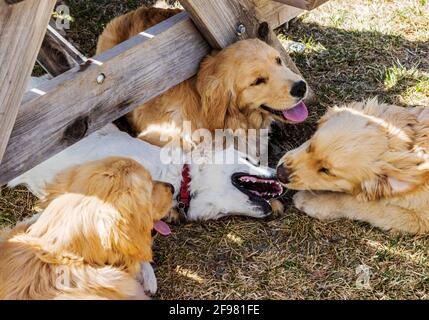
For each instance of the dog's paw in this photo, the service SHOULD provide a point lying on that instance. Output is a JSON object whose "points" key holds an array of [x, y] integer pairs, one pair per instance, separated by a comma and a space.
{"points": [[175, 217], [313, 205], [277, 208], [147, 278]]}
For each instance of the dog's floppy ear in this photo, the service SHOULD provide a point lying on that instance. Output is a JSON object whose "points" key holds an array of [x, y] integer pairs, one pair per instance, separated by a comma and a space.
{"points": [[217, 93], [134, 236], [384, 186], [374, 189], [399, 172], [126, 188]]}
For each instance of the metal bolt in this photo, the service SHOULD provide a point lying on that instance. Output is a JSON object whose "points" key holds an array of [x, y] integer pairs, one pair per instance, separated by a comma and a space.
{"points": [[100, 78], [240, 29]]}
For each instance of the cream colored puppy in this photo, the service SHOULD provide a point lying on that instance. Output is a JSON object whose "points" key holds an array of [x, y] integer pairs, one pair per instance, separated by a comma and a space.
{"points": [[90, 239], [244, 86], [367, 161]]}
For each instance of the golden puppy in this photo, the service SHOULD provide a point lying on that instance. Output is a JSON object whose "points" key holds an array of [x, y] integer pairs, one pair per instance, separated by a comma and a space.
{"points": [[91, 237], [367, 161], [245, 86]]}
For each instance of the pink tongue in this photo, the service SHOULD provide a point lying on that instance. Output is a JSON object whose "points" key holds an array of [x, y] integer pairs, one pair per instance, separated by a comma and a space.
{"points": [[297, 114], [162, 228]]}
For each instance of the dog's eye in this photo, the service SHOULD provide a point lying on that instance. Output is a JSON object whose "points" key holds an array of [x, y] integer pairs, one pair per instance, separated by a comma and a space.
{"points": [[324, 170], [259, 81], [279, 61]]}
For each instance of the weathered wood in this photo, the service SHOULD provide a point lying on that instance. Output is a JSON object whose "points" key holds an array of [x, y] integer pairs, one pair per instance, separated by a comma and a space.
{"points": [[275, 13], [76, 105], [219, 21], [57, 55], [303, 4], [22, 27]]}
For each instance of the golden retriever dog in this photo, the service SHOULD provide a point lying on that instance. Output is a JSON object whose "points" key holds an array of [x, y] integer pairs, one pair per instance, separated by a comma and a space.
{"points": [[91, 237], [367, 161], [245, 86]]}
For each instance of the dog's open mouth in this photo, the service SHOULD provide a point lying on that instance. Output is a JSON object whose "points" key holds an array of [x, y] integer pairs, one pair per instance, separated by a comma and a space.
{"points": [[256, 187], [297, 113]]}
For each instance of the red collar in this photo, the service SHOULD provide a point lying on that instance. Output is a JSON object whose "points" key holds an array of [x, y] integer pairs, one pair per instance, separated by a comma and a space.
{"points": [[184, 196]]}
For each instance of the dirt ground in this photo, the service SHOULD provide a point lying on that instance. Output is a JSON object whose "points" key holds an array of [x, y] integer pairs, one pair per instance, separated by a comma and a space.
{"points": [[354, 50]]}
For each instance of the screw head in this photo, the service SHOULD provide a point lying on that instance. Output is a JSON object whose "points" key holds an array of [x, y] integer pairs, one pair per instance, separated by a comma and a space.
{"points": [[100, 78], [240, 29]]}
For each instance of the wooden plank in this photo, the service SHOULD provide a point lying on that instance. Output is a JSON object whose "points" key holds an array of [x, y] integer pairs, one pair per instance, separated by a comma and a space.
{"points": [[75, 105], [275, 13], [57, 55], [303, 4], [22, 27], [216, 20], [219, 20]]}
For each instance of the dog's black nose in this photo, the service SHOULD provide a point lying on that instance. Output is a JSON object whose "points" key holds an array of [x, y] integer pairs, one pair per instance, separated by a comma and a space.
{"points": [[282, 174], [171, 187], [299, 89]]}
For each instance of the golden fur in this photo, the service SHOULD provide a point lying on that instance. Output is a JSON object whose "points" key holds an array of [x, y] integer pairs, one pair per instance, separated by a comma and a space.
{"points": [[372, 159], [93, 233], [228, 91]]}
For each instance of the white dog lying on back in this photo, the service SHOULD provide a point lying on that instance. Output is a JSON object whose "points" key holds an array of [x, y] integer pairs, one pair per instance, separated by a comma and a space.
{"points": [[216, 190]]}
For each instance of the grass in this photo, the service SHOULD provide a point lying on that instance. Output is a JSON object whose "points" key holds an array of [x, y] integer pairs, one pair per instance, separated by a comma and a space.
{"points": [[354, 49]]}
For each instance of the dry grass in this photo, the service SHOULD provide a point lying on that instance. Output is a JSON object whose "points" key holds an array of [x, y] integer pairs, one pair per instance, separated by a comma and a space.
{"points": [[355, 49]]}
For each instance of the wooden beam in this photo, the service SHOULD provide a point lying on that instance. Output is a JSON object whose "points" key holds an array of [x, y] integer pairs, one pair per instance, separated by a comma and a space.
{"points": [[275, 13], [303, 4], [57, 55], [75, 104], [219, 21], [22, 28]]}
